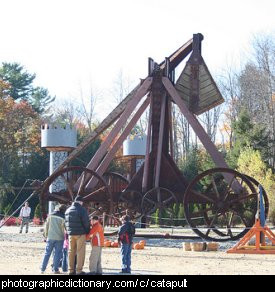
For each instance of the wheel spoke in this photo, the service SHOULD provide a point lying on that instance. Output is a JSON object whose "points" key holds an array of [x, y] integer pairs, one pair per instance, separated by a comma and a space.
{"points": [[95, 192], [203, 196], [69, 186], [150, 201], [241, 198], [158, 195], [215, 187], [212, 222], [168, 201], [229, 188], [83, 181], [229, 223], [243, 219]]}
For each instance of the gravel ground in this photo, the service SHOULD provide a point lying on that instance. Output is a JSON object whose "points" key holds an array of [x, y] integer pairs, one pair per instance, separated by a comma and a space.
{"points": [[23, 253]]}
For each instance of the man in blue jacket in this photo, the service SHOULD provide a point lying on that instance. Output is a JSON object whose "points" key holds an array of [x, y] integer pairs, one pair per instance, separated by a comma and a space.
{"points": [[125, 239], [77, 224]]}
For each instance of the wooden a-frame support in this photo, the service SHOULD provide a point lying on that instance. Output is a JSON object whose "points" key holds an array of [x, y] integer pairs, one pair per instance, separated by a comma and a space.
{"points": [[259, 231], [260, 247]]}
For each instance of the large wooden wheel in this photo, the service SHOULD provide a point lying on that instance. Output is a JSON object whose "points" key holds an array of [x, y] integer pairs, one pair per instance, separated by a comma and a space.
{"points": [[117, 183], [72, 181], [130, 203], [158, 198], [218, 201]]}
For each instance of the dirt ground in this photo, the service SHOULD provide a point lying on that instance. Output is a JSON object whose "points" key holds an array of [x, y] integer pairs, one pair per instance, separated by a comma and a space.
{"points": [[22, 254]]}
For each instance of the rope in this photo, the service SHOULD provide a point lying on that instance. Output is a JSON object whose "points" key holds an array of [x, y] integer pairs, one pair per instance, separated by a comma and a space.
{"points": [[187, 228], [32, 194], [17, 196]]}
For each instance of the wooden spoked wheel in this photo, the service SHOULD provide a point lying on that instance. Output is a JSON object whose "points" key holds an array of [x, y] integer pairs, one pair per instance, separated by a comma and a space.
{"points": [[64, 185], [158, 198], [117, 183], [130, 204], [220, 204]]}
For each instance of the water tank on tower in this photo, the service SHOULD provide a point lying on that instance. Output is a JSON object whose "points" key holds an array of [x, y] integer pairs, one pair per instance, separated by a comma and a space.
{"points": [[59, 141], [134, 148]]}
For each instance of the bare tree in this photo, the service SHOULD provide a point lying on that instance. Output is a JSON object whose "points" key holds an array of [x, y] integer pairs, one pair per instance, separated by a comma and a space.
{"points": [[66, 112], [210, 120], [264, 48], [257, 87], [87, 108], [228, 83], [122, 86]]}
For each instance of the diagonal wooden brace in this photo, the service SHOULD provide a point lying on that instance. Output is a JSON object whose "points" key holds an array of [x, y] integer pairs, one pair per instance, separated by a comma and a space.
{"points": [[101, 152], [199, 130], [111, 153], [119, 124], [195, 124]]}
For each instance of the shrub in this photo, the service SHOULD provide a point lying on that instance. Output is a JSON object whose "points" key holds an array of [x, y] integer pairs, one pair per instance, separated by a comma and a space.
{"points": [[11, 221], [251, 163], [37, 211]]}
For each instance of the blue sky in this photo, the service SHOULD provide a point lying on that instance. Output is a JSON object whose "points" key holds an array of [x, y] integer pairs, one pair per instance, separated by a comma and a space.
{"points": [[77, 44]]}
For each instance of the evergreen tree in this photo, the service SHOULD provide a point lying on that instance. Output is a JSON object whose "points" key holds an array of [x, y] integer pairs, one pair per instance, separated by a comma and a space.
{"points": [[20, 87], [20, 81], [40, 99], [247, 134]]}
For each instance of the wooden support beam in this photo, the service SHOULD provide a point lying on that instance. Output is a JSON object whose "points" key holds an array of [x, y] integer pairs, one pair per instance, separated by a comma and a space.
{"points": [[111, 153], [148, 149], [93, 164], [178, 55], [171, 141], [160, 140], [197, 127]]}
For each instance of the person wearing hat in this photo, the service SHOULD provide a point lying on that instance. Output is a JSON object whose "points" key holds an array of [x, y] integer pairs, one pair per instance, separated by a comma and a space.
{"points": [[54, 232], [126, 233], [77, 224]]}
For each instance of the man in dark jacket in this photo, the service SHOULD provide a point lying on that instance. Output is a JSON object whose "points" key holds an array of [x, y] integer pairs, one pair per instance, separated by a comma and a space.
{"points": [[77, 224], [125, 238]]}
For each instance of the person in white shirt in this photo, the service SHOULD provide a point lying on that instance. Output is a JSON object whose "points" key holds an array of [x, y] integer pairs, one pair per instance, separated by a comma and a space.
{"points": [[25, 213]]}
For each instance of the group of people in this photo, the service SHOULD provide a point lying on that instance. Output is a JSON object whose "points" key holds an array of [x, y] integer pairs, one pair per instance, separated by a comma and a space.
{"points": [[66, 232]]}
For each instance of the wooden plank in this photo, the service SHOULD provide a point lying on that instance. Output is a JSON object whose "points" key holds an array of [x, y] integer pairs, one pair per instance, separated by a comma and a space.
{"points": [[148, 147], [178, 55], [209, 107], [207, 92], [160, 140], [206, 83]]}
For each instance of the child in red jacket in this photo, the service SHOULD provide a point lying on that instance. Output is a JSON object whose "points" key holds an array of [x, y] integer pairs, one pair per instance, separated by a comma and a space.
{"points": [[96, 237]]}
